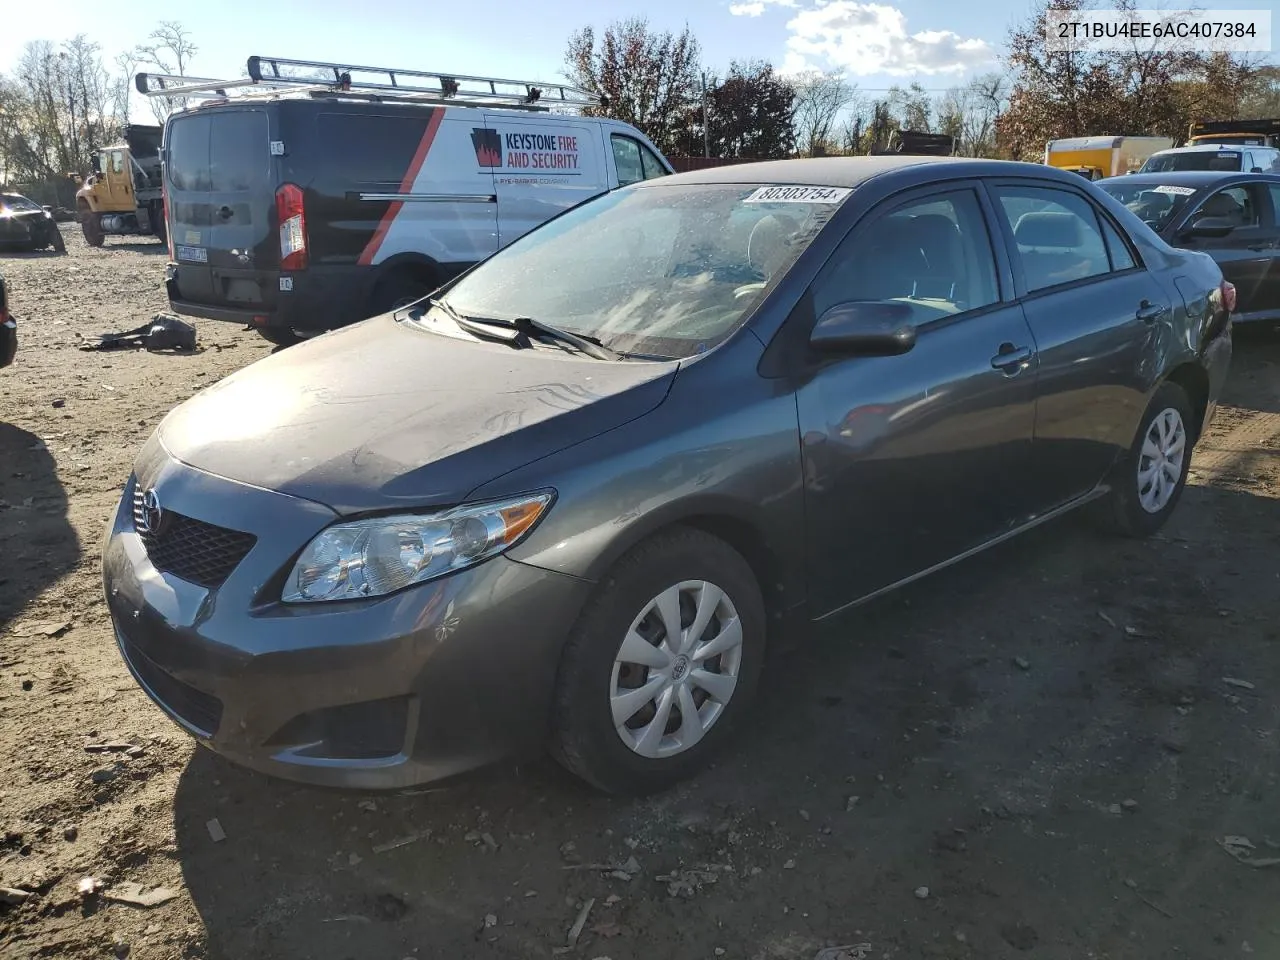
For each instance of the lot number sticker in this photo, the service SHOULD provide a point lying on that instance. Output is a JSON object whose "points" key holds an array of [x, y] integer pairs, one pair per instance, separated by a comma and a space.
{"points": [[1175, 191], [798, 195]]}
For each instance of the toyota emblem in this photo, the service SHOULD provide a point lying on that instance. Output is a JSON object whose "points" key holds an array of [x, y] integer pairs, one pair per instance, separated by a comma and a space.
{"points": [[151, 515]]}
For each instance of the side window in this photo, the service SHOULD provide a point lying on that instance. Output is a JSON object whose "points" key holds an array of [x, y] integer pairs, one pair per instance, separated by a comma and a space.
{"points": [[1235, 204], [652, 165], [1057, 235], [1121, 256], [1247, 164], [626, 157], [187, 149], [1275, 205], [933, 253], [117, 161]]}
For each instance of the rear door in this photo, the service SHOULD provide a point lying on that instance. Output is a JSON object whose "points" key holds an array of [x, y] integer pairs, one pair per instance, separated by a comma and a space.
{"points": [[221, 180], [541, 167]]}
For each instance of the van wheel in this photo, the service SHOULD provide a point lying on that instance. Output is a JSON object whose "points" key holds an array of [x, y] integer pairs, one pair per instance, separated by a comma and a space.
{"points": [[661, 666], [92, 229], [280, 336], [399, 289]]}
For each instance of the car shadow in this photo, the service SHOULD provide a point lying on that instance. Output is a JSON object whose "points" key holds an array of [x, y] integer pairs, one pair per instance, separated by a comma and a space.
{"points": [[970, 732], [37, 541]]}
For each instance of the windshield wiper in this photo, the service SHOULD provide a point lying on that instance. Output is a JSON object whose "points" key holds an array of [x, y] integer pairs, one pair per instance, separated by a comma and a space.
{"points": [[526, 327], [486, 330]]}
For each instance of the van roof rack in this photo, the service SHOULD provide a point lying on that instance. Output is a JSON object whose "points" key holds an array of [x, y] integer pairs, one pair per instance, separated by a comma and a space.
{"points": [[272, 76]]}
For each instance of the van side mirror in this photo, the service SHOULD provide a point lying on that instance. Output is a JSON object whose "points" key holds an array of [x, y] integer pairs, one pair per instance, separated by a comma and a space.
{"points": [[865, 328], [1208, 228]]}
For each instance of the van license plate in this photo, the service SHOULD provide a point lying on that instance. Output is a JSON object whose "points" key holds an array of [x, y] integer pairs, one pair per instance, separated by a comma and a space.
{"points": [[194, 254]]}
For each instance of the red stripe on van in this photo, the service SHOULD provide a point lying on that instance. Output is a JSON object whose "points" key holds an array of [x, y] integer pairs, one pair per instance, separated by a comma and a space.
{"points": [[406, 186]]}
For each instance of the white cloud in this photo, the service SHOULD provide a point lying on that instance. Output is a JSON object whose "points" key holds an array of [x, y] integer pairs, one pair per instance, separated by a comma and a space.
{"points": [[754, 8], [863, 39]]}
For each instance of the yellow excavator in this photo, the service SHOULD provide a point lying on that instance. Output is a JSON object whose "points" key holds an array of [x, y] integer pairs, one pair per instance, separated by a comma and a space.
{"points": [[125, 194]]}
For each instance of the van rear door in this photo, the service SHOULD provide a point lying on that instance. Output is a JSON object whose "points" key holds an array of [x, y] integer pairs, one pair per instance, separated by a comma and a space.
{"points": [[221, 182]]}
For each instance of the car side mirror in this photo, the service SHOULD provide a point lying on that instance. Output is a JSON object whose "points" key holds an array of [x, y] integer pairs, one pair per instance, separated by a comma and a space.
{"points": [[865, 328], [1209, 228]]}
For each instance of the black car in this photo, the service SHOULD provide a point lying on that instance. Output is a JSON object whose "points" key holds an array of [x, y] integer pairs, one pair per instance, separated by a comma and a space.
{"points": [[1233, 217], [8, 329], [26, 225]]}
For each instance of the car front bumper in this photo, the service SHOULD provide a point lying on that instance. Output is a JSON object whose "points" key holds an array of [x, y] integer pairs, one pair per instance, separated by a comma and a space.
{"points": [[432, 682]]}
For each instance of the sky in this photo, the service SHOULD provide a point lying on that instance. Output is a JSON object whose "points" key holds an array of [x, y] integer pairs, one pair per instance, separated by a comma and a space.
{"points": [[937, 43]]}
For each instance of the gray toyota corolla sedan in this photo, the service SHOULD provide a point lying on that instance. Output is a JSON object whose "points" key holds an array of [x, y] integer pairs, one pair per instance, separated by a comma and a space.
{"points": [[564, 502]]}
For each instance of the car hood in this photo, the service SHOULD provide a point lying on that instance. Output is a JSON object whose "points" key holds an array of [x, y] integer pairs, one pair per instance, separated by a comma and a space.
{"points": [[382, 415]]}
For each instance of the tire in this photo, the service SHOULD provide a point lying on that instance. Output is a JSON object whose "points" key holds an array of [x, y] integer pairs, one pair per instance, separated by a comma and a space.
{"points": [[1125, 513], [584, 738], [280, 336], [158, 226], [92, 229], [56, 241], [398, 289]]}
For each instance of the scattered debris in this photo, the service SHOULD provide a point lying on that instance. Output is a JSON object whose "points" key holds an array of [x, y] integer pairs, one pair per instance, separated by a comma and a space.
{"points": [[1239, 684], [1133, 885], [851, 951], [922, 893], [216, 833], [59, 404], [1130, 805], [1107, 620], [368, 805], [1240, 848], [804, 815], [135, 894], [576, 930], [1137, 633], [487, 839], [354, 860], [490, 921], [14, 897], [686, 883], [569, 852], [118, 747], [789, 865], [627, 870], [88, 886], [104, 774], [70, 834], [612, 899], [529, 894], [1115, 809], [851, 803], [402, 841], [1022, 663]]}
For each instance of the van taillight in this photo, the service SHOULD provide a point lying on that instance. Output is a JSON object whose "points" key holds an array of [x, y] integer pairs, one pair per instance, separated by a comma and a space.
{"points": [[293, 227], [1229, 296]]}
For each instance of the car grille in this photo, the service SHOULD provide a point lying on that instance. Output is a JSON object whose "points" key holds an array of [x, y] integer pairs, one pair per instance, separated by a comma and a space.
{"points": [[192, 550]]}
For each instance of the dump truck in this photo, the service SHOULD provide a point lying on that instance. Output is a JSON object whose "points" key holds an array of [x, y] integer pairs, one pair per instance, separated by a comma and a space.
{"points": [[124, 195], [1097, 157], [1236, 133]]}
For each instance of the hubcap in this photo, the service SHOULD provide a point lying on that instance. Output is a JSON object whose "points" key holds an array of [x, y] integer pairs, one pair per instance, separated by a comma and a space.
{"points": [[1160, 465], [676, 669]]}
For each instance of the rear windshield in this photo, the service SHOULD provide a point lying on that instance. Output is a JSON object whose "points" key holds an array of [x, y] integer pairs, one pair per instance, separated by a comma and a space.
{"points": [[220, 152], [1193, 160], [1157, 204]]}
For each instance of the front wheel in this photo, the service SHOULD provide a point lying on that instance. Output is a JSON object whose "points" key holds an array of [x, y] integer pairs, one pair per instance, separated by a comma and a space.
{"points": [[1150, 480], [56, 240], [663, 662], [92, 229]]}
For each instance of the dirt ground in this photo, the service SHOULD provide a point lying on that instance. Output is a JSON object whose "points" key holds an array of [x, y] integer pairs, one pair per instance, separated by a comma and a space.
{"points": [[1066, 748]]}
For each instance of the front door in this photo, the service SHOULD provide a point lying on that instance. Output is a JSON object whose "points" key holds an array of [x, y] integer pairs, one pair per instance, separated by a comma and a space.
{"points": [[912, 460], [1246, 255], [118, 179]]}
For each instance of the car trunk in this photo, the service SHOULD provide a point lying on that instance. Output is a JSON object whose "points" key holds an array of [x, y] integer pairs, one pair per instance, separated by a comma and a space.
{"points": [[220, 177]]}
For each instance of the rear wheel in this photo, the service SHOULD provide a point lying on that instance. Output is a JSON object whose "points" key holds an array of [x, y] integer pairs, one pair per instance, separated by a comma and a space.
{"points": [[1149, 481], [662, 664], [92, 229], [157, 222], [56, 240], [399, 289], [280, 336]]}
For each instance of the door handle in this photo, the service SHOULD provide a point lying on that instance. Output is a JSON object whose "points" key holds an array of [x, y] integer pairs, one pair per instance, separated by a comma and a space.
{"points": [[1010, 358], [1149, 312], [1261, 246], [225, 212]]}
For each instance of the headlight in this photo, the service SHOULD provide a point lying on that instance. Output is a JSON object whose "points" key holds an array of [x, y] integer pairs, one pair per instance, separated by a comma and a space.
{"points": [[370, 558]]}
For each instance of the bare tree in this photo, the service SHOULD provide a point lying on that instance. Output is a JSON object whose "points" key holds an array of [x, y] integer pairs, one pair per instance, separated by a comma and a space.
{"points": [[969, 113], [648, 79], [169, 49], [820, 97]]}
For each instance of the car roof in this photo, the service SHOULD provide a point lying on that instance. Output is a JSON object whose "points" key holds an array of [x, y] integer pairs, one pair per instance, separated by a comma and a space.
{"points": [[1191, 178], [854, 171], [1208, 147]]}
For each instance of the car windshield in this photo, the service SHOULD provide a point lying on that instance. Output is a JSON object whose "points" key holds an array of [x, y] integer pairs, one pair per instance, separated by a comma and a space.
{"points": [[1193, 160], [662, 270], [18, 204], [1156, 204]]}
